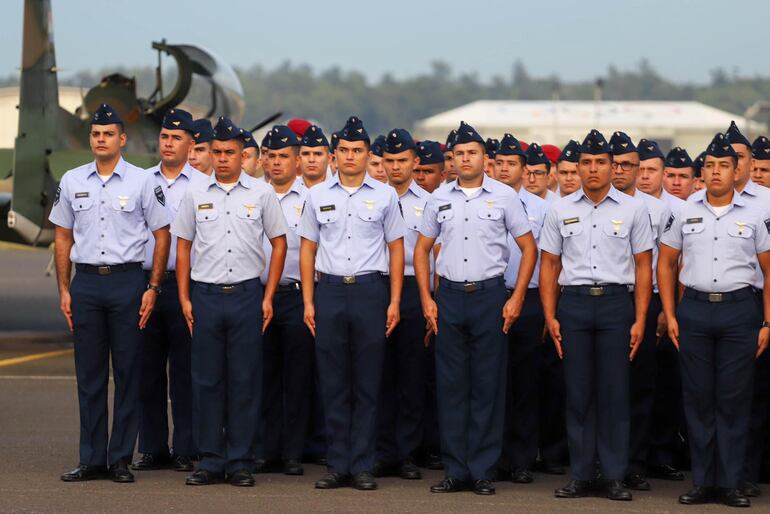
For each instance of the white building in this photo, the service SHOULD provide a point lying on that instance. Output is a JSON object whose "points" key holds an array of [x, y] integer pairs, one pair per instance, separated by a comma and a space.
{"points": [[690, 125]]}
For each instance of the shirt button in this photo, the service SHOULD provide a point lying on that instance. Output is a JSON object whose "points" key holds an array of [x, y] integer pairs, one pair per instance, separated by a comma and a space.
{"points": [[104, 185], [103, 254], [102, 219], [594, 226], [348, 237], [227, 194], [228, 213], [715, 258], [466, 238], [716, 238], [466, 219], [596, 206], [465, 260], [594, 246], [348, 258], [230, 270], [594, 267], [229, 251], [349, 214], [227, 231], [714, 279]]}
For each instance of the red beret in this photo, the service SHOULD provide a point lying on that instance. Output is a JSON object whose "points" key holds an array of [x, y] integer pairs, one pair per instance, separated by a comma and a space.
{"points": [[443, 147], [552, 152], [298, 126], [523, 145]]}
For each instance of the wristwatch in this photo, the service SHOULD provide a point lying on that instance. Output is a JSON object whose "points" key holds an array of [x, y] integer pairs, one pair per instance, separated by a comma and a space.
{"points": [[157, 289], [766, 324]]}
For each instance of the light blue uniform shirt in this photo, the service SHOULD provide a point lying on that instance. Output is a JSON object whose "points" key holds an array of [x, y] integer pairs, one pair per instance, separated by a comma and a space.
{"points": [[597, 242], [174, 192], [352, 230], [474, 231], [660, 212], [226, 228], [111, 221], [413, 206], [536, 209], [551, 196], [291, 205], [674, 202], [719, 253]]}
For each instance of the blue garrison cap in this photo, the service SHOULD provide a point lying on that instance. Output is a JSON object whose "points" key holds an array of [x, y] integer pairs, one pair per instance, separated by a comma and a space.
{"points": [[594, 144], [314, 136], [334, 141], [761, 148], [226, 130], [281, 136], [509, 145], [492, 146], [203, 132], [378, 146], [536, 155], [720, 147], [734, 136], [570, 152], [697, 164], [177, 119], [248, 140], [430, 152], [398, 140], [467, 134], [649, 149], [354, 130], [106, 115], [678, 158], [621, 144], [450, 140]]}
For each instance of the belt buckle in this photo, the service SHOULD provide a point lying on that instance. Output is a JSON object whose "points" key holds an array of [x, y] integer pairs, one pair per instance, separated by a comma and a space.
{"points": [[470, 287], [228, 289], [349, 279], [596, 291], [715, 297], [104, 270]]}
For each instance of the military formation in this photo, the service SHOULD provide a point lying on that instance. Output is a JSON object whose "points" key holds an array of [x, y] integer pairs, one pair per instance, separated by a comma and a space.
{"points": [[492, 308]]}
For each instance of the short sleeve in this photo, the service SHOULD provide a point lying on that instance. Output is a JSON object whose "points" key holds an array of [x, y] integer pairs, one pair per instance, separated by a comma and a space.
{"points": [[641, 232], [550, 236], [429, 226], [184, 223], [308, 223], [516, 220], [61, 212], [394, 225], [156, 215], [672, 232], [273, 220], [762, 240]]}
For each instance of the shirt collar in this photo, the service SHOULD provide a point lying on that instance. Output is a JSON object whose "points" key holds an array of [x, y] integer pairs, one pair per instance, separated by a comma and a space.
{"points": [[613, 194], [120, 168], [486, 184], [414, 189], [750, 189], [334, 180], [187, 170], [241, 180], [737, 200]]}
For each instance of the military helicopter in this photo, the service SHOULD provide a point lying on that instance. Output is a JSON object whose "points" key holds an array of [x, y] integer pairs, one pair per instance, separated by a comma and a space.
{"points": [[51, 140]]}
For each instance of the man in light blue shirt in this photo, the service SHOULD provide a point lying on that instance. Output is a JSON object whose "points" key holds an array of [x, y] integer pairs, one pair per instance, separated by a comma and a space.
{"points": [[352, 234], [103, 213]]}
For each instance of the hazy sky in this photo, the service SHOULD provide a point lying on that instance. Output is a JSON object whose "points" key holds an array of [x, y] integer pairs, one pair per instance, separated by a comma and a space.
{"points": [[683, 39]]}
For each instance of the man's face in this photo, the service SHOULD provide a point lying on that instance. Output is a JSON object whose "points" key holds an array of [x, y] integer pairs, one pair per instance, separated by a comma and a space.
{"points": [[537, 179], [469, 160], [744, 164], [489, 166], [201, 158], [399, 167], [313, 161], [719, 174], [228, 157], [650, 178], [352, 157], [595, 171], [509, 169], [760, 172], [375, 169], [624, 169], [568, 178], [283, 164], [251, 161], [449, 167], [679, 181], [429, 176], [552, 180], [106, 141], [175, 146]]}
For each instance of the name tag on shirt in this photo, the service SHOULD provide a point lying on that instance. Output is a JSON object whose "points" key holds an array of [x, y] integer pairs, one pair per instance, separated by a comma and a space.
{"points": [[690, 221], [570, 221], [81, 195], [444, 207], [205, 206], [327, 208]]}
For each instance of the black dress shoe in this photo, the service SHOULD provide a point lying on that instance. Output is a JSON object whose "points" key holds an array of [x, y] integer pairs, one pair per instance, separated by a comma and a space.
{"points": [[204, 477], [409, 471], [385, 469], [433, 461], [636, 482], [521, 476], [151, 461], [293, 467], [333, 481], [182, 463], [574, 489], [241, 478], [84, 472], [549, 469], [449, 485], [119, 473], [734, 498], [750, 489], [267, 466], [319, 460], [614, 490], [483, 487], [697, 496], [665, 472], [364, 481]]}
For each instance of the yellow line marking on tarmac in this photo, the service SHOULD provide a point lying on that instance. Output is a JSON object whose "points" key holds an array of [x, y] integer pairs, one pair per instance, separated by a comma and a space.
{"points": [[34, 357]]}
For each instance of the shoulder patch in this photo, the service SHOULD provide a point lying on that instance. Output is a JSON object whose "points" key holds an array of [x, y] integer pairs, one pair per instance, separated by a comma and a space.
{"points": [[767, 225], [160, 196], [57, 197], [669, 223]]}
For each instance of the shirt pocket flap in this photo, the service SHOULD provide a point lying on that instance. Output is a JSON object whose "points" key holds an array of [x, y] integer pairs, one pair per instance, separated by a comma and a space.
{"points": [[745, 231], [490, 213], [325, 215], [124, 203], [208, 214], [693, 228], [616, 229], [82, 204], [370, 214], [571, 229], [247, 212], [446, 214]]}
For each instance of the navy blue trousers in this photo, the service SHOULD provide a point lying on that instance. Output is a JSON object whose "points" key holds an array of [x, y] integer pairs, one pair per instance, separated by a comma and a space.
{"points": [[166, 373], [430, 440], [522, 393], [350, 346], [226, 373], [553, 427], [471, 361], [666, 443], [288, 373], [718, 342], [402, 395], [595, 341], [759, 414], [105, 316]]}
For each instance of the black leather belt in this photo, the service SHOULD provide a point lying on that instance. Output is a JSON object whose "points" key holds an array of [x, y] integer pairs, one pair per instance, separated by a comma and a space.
{"points": [[287, 288], [471, 287], [108, 269], [225, 288], [350, 279], [602, 290], [732, 296]]}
